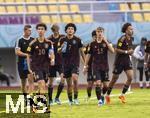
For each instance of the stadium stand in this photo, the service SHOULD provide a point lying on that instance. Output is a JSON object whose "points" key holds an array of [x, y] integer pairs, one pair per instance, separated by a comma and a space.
{"points": [[136, 16], [76, 12]]}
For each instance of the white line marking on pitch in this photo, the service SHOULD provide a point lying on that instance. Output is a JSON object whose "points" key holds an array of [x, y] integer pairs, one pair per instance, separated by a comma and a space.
{"points": [[81, 99]]}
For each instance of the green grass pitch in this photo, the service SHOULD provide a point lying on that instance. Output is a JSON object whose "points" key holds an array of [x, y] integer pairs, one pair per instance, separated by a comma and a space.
{"points": [[137, 106]]}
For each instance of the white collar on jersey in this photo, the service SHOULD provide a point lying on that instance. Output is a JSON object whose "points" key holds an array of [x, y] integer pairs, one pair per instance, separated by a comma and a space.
{"points": [[26, 38]]}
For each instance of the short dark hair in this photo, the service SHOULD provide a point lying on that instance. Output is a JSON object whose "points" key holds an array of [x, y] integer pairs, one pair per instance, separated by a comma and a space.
{"points": [[27, 27], [41, 25], [125, 26], [93, 33], [143, 39], [100, 28], [71, 25]]}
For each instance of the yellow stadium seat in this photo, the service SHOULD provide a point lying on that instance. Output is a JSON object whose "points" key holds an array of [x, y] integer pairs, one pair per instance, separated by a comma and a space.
{"points": [[52, 0], [63, 8], [74, 8], [41, 1], [9, 1], [66, 19], [28, 1], [87, 18], [135, 6], [146, 6], [19, 1], [53, 8], [1, 1], [32, 9], [147, 17], [2, 9], [123, 7], [11, 9], [43, 8], [55, 19], [62, 0], [137, 17], [20, 9], [45, 19], [77, 18]]}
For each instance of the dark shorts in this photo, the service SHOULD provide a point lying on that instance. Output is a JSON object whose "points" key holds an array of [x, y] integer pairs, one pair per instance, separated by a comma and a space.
{"points": [[69, 70], [119, 68], [40, 75], [90, 75], [54, 69], [23, 72], [100, 75]]}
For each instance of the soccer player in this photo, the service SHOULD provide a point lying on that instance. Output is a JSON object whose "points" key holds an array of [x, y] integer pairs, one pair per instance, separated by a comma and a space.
{"points": [[98, 51], [70, 46], [21, 51], [40, 51], [122, 61], [58, 67], [90, 79], [139, 55], [147, 59]]}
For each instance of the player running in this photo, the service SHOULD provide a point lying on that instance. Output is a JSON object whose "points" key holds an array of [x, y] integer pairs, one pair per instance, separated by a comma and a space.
{"points": [[122, 61]]}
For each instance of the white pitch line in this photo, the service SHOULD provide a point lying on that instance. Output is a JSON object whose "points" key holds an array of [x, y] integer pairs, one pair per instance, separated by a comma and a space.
{"points": [[81, 99]]}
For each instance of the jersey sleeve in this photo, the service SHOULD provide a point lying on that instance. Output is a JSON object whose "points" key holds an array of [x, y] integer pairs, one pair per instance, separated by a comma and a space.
{"points": [[120, 43], [18, 43], [30, 48], [80, 43]]}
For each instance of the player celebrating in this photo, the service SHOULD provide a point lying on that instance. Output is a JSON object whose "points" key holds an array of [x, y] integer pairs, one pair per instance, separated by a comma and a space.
{"points": [[39, 51], [58, 67], [98, 51], [21, 51], [122, 61], [70, 47]]}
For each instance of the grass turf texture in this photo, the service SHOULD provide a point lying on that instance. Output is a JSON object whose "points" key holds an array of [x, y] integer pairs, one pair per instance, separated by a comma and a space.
{"points": [[137, 106]]}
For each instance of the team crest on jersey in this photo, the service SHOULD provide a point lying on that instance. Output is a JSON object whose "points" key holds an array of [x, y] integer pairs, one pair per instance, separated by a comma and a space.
{"points": [[74, 42], [46, 45]]}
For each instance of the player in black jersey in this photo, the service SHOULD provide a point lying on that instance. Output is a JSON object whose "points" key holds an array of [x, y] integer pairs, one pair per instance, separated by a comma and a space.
{"points": [[98, 51], [21, 51], [90, 79], [147, 60], [58, 67], [124, 50], [41, 52], [70, 46]]}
